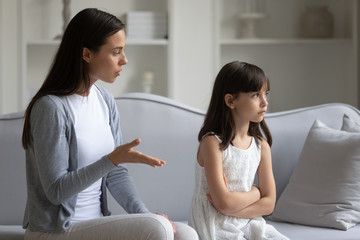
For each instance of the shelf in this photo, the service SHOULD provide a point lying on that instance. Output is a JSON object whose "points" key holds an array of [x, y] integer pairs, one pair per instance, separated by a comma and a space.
{"points": [[265, 41], [129, 42], [44, 42], [135, 42]]}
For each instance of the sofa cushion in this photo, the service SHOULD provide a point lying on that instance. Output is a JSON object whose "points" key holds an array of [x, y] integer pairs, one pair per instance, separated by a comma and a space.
{"points": [[324, 189], [349, 125], [12, 232], [302, 232]]}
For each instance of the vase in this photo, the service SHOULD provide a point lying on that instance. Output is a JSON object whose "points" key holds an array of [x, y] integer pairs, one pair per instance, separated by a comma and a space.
{"points": [[248, 26], [317, 22], [148, 81]]}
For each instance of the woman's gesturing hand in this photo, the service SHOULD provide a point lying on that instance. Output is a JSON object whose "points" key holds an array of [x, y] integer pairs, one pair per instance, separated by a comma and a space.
{"points": [[126, 154]]}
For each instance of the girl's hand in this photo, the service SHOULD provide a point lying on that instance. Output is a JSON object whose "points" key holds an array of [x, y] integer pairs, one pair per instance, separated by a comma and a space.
{"points": [[225, 181], [165, 216], [126, 154], [255, 189]]}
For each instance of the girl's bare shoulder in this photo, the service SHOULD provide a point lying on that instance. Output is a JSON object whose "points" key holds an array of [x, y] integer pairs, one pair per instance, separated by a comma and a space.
{"points": [[209, 148], [264, 144]]}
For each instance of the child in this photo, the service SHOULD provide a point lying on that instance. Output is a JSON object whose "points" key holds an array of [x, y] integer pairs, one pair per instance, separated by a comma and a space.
{"points": [[232, 150]]}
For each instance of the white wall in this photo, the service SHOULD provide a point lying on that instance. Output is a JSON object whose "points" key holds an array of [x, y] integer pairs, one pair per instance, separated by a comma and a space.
{"points": [[193, 50], [1, 57], [9, 56], [193, 58], [357, 52]]}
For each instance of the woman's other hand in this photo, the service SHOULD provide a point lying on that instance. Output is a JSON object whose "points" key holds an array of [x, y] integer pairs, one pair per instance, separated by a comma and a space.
{"points": [[126, 154], [165, 216]]}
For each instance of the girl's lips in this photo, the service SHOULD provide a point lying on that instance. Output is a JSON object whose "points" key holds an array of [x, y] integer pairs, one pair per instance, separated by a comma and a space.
{"points": [[262, 112], [117, 73]]}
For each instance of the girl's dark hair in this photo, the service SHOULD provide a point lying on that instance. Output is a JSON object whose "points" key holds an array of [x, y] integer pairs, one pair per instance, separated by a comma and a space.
{"points": [[234, 78], [69, 72]]}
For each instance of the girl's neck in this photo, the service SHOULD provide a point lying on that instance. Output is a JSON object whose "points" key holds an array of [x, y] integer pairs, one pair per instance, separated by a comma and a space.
{"points": [[242, 129], [242, 139]]}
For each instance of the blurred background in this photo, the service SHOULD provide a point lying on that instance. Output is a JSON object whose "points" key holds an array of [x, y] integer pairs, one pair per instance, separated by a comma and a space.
{"points": [[308, 48]]}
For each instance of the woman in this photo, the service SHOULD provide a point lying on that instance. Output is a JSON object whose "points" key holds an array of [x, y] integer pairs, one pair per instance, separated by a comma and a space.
{"points": [[73, 145]]}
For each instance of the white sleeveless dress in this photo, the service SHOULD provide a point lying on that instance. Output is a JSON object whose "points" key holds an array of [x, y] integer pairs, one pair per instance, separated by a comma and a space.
{"points": [[239, 168]]}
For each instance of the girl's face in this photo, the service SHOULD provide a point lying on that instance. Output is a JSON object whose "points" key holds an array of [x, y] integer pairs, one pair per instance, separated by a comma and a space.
{"points": [[106, 64], [250, 106]]}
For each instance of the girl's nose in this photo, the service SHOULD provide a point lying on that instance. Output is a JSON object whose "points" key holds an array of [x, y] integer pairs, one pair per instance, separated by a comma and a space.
{"points": [[264, 100]]}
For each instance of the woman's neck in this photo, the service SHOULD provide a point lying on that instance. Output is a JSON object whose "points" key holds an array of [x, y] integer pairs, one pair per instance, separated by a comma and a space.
{"points": [[82, 91]]}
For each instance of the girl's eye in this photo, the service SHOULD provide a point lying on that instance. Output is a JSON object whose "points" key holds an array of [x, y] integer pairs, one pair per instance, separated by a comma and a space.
{"points": [[255, 95]]}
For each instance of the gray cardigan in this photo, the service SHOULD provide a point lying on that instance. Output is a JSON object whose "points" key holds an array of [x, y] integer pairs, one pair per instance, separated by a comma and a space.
{"points": [[53, 177]]}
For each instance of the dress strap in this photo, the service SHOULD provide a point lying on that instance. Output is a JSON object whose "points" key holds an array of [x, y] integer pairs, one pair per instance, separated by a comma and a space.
{"points": [[211, 133]]}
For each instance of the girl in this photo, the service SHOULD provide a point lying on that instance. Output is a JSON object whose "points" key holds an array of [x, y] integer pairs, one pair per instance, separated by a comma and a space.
{"points": [[73, 145], [232, 150]]}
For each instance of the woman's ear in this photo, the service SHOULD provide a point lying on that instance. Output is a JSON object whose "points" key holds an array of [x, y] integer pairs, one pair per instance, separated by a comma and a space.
{"points": [[229, 100], [86, 55]]}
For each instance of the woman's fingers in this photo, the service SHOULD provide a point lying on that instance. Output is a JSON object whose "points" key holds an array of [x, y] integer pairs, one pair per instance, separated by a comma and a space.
{"points": [[149, 160], [132, 144], [165, 216], [126, 154]]}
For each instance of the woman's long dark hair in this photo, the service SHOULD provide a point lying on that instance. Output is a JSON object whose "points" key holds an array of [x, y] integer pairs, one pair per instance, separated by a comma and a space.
{"points": [[69, 72], [234, 78]]}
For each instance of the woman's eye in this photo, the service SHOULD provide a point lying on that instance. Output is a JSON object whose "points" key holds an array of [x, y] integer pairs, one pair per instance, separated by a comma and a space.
{"points": [[116, 53]]}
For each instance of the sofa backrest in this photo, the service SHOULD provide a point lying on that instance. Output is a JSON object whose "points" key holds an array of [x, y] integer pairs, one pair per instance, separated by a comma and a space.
{"points": [[12, 170], [157, 120], [168, 130]]}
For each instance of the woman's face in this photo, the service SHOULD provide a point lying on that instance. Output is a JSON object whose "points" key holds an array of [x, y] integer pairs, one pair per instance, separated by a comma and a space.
{"points": [[106, 64]]}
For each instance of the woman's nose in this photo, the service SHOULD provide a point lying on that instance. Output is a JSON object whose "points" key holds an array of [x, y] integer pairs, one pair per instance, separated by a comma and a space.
{"points": [[123, 60]]}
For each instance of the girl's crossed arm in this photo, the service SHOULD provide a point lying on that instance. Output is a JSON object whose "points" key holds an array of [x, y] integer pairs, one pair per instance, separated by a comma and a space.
{"points": [[265, 205], [225, 201]]}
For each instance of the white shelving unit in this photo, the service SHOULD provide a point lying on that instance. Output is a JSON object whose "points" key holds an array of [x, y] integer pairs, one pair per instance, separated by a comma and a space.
{"points": [[302, 71], [285, 41], [203, 35], [42, 21]]}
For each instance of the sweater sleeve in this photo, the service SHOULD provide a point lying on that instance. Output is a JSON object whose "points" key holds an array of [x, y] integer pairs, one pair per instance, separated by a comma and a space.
{"points": [[50, 148]]}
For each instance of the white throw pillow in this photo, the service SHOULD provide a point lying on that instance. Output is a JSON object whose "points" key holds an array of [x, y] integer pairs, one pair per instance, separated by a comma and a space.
{"points": [[349, 125], [324, 189]]}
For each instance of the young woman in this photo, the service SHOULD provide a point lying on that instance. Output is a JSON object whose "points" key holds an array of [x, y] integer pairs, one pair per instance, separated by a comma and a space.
{"points": [[226, 204], [73, 145]]}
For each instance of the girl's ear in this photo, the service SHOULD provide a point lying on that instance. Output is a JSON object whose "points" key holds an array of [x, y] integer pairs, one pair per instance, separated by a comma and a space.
{"points": [[86, 55], [229, 100]]}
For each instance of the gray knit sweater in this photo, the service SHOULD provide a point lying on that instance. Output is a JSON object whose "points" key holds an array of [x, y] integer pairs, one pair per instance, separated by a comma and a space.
{"points": [[53, 177]]}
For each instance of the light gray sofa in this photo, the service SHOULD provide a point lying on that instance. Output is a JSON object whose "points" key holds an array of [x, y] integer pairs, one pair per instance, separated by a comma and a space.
{"points": [[168, 130]]}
